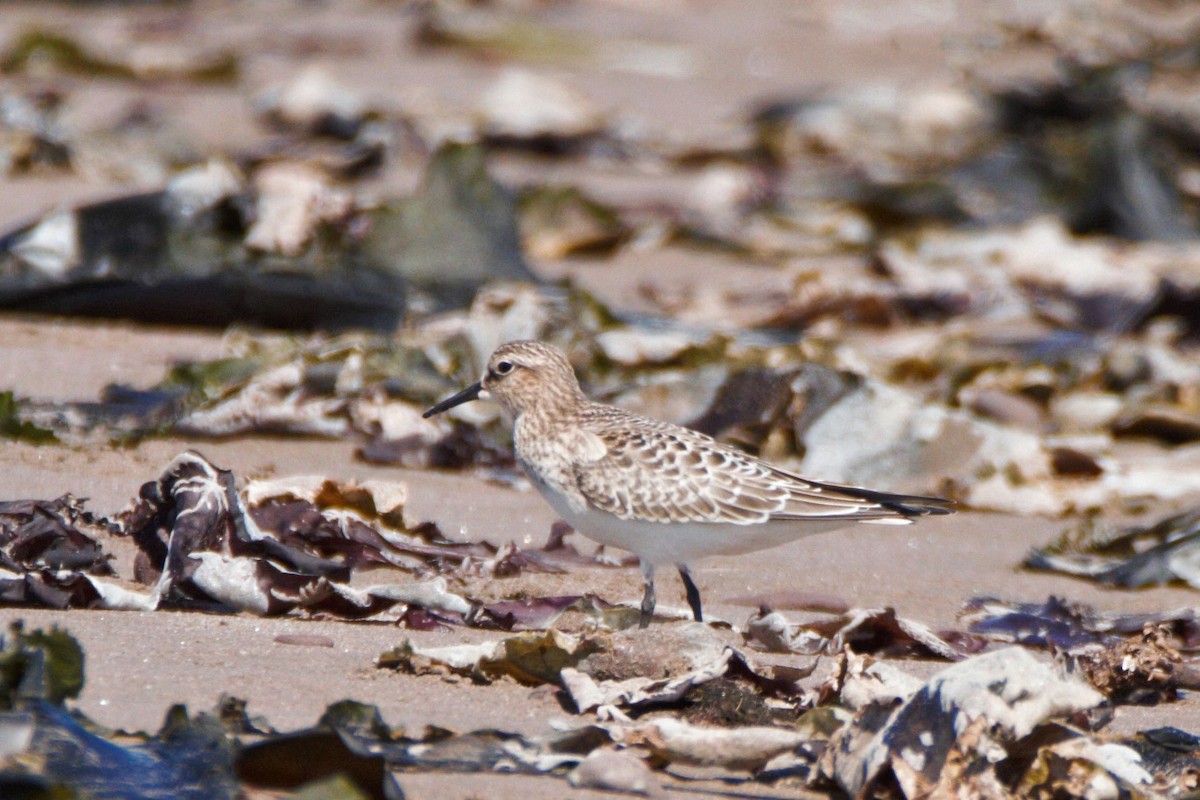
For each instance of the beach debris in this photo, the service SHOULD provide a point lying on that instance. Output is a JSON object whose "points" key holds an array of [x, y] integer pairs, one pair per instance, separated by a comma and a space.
{"points": [[999, 439], [531, 658], [32, 137], [561, 221], [748, 748], [294, 544], [1079, 766], [957, 727], [640, 348], [358, 385], [879, 130], [12, 426], [477, 751], [502, 33], [1167, 423], [41, 51], [1036, 270], [1131, 658], [225, 754], [39, 665], [52, 535], [1003, 721], [1085, 411], [994, 442], [563, 611], [458, 231], [619, 697], [488, 32], [861, 630], [274, 547], [1062, 625], [295, 202], [674, 650], [859, 681], [976, 151], [1001, 467], [537, 110], [47, 749], [1167, 551], [283, 246], [601, 674], [274, 401], [1141, 669], [197, 543], [751, 402], [314, 102], [49, 553], [183, 256], [1171, 754], [366, 748], [324, 388]]}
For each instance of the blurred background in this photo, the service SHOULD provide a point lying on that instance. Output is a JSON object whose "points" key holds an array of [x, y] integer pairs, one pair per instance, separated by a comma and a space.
{"points": [[938, 245]]}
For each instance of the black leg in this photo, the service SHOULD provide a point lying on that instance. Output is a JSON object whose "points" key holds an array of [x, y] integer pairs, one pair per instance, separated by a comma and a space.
{"points": [[648, 597], [693, 594]]}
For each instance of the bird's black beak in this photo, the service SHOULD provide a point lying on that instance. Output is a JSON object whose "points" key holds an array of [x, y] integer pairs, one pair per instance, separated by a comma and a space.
{"points": [[468, 394]]}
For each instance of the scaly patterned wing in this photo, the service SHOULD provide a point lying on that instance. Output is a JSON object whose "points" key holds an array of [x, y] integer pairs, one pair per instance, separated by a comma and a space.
{"points": [[659, 472]]}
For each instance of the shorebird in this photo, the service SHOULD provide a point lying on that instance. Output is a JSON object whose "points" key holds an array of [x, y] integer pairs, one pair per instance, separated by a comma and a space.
{"points": [[663, 492]]}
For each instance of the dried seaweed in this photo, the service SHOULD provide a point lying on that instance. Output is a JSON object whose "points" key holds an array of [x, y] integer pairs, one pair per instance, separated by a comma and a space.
{"points": [[977, 709], [1063, 625], [39, 670], [1141, 669], [877, 631], [13, 427], [278, 547], [44, 47], [997, 725], [1167, 551], [51, 535]]}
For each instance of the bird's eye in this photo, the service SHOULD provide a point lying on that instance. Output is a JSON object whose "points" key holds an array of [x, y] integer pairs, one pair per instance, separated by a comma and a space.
{"points": [[504, 367]]}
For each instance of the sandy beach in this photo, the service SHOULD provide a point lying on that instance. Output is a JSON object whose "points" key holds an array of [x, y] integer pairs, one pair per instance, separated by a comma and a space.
{"points": [[689, 75]]}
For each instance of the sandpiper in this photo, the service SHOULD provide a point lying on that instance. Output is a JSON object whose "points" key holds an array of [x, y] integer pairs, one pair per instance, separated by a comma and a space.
{"points": [[663, 492]]}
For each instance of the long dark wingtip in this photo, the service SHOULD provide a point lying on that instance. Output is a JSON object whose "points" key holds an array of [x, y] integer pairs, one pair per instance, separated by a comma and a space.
{"points": [[908, 505], [465, 396], [917, 505], [928, 507]]}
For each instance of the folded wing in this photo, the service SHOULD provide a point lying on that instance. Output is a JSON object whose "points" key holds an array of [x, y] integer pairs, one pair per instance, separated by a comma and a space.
{"points": [[655, 471]]}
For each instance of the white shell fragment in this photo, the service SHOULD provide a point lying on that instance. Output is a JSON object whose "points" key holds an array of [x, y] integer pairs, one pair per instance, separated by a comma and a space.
{"points": [[292, 199], [525, 105], [312, 96], [52, 246], [984, 703], [747, 748]]}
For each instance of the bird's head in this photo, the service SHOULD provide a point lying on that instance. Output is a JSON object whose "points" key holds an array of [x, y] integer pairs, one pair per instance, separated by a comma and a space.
{"points": [[520, 376]]}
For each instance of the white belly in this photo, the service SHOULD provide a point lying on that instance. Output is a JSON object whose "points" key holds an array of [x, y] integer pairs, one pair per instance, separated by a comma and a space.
{"points": [[667, 543]]}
